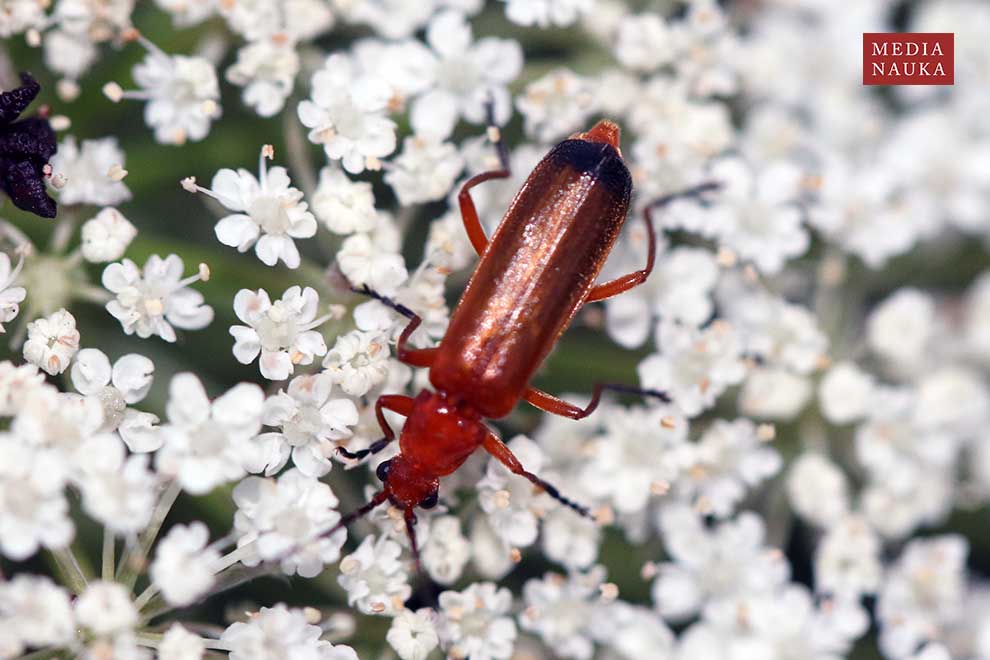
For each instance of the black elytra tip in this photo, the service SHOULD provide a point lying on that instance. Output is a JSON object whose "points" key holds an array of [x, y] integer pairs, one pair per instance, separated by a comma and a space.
{"points": [[26, 146], [598, 159]]}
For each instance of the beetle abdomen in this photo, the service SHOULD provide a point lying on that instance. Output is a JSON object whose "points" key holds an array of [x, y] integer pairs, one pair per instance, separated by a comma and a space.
{"points": [[537, 270]]}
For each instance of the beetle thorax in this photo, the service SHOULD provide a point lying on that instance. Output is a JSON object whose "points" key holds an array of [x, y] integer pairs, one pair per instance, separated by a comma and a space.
{"points": [[440, 433]]}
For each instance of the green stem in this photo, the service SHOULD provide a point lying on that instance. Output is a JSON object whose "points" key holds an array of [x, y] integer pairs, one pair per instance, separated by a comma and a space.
{"points": [[232, 577], [132, 563], [69, 568], [108, 554], [298, 154]]}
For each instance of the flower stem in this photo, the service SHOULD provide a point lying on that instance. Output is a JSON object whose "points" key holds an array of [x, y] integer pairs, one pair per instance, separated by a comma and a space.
{"points": [[298, 154], [70, 569], [108, 554], [134, 559]]}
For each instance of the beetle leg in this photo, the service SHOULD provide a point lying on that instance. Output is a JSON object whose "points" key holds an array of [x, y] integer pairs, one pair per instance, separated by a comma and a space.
{"points": [[415, 357], [634, 279], [469, 214], [551, 404], [394, 402], [494, 446]]}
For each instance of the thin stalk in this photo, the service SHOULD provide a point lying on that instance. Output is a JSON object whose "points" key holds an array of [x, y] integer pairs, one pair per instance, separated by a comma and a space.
{"points": [[134, 558], [72, 573], [298, 154], [108, 554], [227, 579]]}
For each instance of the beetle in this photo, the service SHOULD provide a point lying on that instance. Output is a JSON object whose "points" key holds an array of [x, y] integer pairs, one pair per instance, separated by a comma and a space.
{"points": [[534, 274]]}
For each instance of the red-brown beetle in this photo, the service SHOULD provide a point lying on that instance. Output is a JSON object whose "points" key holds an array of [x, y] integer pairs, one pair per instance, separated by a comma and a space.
{"points": [[535, 273]]}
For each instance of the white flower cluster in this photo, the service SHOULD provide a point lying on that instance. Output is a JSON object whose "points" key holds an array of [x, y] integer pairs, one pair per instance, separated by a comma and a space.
{"points": [[818, 321]]}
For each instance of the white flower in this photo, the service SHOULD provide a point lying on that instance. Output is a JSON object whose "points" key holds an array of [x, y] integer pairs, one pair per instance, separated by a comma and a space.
{"points": [[779, 333], [366, 261], [755, 214], [374, 578], [281, 332], [392, 19], [633, 632], [180, 644], [33, 508], [20, 15], [106, 608], [847, 560], [475, 624], [693, 366], [954, 398], [922, 594], [182, 93], [346, 114], [86, 172], [896, 445], [60, 421], [718, 468], [679, 135], [151, 301], [18, 383], [900, 327], [183, 567], [818, 489], [679, 289], [544, 13], [713, 565], [35, 613], [70, 54], [446, 552], [278, 632], [413, 635], [510, 500], [645, 42], [343, 205], [425, 170], [406, 65], [466, 76], [556, 104], [291, 20], [561, 610], [266, 70], [863, 211], [283, 520], [117, 490], [127, 382], [105, 237], [897, 506], [641, 444], [789, 624], [10, 296], [310, 421], [209, 444], [845, 393], [52, 341], [358, 361], [186, 13], [268, 211], [570, 540], [772, 393]]}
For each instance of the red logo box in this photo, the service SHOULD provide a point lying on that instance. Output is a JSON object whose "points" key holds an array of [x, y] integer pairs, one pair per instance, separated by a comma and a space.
{"points": [[908, 58]]}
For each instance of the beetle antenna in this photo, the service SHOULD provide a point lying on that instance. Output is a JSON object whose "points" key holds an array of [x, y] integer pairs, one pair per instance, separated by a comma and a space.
{"points": [[693, 191], [495, 132], [346, 520]]}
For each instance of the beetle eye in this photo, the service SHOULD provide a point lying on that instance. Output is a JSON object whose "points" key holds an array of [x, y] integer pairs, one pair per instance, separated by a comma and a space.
{"points": [[382, 470], [430, 500]]}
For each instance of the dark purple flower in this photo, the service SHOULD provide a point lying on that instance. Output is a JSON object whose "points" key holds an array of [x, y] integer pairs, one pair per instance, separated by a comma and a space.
{"points": [[25, 148]]}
